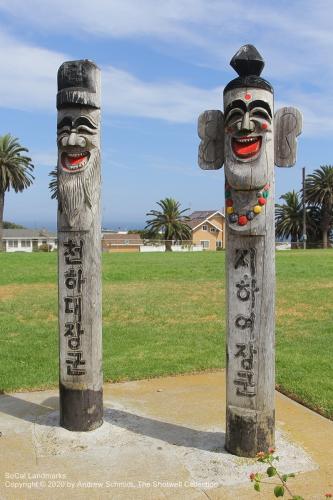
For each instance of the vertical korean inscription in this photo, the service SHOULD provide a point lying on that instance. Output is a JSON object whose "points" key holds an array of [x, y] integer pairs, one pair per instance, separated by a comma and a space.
{"points": [[245, 350], [73, 330]]}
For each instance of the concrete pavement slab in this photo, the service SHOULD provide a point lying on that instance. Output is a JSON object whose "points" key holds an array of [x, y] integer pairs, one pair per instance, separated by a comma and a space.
{"points": [[161, 438]]}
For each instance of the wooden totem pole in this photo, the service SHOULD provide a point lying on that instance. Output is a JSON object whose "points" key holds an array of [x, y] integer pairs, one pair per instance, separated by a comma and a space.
{"points": [[79, 246], [248, 138]]}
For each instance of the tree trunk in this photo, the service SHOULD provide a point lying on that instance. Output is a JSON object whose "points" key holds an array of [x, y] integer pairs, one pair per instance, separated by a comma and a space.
{"points": [[326, 221], [294, 241], [2, 204], [168, 245]]}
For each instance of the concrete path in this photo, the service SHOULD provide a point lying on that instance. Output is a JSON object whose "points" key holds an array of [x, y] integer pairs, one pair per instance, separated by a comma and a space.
{"points": [[162, 439]]}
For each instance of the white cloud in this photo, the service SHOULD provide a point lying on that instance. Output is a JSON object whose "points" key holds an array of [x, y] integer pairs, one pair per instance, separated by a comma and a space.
{"points": [[28, 82], [296, 40], [28, 75], [124, 94]]}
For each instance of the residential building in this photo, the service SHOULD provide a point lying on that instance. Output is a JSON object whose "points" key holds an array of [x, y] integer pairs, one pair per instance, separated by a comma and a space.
{"points": [[208, 229], [27, 240], [121, 242]]}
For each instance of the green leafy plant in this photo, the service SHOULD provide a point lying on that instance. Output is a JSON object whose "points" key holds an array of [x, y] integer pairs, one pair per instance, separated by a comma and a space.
{"points": [[281, 488]]}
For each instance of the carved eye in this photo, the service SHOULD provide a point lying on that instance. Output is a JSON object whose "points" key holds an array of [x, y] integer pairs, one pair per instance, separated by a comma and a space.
{"points": [[234, 115], [64, 130], [260, 113], [63, 133]]}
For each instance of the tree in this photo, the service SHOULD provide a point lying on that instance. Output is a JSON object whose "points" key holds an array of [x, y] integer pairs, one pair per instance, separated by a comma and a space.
{"points": [[15, 171], [289, 217], [171, 221], [319, 192], [12, 225]]}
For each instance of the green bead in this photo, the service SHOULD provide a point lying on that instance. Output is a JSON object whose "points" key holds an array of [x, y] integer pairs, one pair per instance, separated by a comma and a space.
{"points": [[265, 194], [227, 194]]}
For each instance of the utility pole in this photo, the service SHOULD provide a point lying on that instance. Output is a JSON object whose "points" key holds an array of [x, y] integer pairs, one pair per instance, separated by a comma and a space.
{"points": [[304, 209]]}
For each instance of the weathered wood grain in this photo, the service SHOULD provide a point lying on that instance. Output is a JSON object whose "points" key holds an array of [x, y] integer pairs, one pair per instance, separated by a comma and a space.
{"points": [[211, 148], [250, 130], [79, 246], [288, 126]]}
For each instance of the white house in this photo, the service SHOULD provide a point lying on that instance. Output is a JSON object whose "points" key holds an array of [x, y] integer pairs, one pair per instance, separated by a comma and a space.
{"points": [[27, 240]]}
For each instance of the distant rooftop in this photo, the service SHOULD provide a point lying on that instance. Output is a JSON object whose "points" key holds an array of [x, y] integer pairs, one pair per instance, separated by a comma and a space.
{"points": [[28, 233], [200, 216]]}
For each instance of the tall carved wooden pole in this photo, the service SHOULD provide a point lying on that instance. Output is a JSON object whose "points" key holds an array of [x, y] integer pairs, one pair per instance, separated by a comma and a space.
{"points": [[79, 246], [243, 138]]}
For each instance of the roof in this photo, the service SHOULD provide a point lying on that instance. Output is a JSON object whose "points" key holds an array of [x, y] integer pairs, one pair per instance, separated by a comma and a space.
{"points": [[132, 238], [28, 233], [200, 216]]}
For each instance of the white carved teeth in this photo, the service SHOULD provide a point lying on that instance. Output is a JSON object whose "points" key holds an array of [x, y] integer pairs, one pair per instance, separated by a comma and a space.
{"points": [[247, 140], [76, 155]]}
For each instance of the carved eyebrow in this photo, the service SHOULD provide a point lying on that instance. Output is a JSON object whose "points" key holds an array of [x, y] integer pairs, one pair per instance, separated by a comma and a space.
{"points": [[260, 104], [65, 122], [83, 120], [238, 103]]}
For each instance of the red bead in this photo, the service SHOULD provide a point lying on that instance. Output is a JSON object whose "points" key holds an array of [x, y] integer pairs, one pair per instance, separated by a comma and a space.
{"points": [[261, 201], [242, 220], [248, 97], [229, 202], [264, 126]]}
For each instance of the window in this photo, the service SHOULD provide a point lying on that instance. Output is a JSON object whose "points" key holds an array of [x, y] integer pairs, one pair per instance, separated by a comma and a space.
{"points": [[44, 242], [25, 243], [218, 244], [204, 243], [204, 227], [212, 229], [13, 243], [126, 242]]}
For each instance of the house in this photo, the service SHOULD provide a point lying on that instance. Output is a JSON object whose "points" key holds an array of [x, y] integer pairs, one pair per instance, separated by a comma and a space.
{"points": [[208, 229], [121, 242], [27, 240]]}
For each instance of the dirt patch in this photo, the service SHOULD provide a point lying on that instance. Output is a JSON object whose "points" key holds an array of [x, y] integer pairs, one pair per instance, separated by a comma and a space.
{"points": [[301, 311], [9, 292]]}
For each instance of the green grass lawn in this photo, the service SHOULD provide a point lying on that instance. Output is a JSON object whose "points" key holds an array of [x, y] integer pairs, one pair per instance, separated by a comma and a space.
{"points": [[164, 314]]}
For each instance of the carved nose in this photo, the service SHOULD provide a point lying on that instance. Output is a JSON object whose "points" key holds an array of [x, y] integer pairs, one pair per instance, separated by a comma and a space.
{"points": [[247, 124], [74, 139]]}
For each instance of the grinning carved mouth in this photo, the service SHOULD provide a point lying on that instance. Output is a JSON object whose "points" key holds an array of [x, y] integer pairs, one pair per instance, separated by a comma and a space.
{"points": [[246, 147], [73, 162]]}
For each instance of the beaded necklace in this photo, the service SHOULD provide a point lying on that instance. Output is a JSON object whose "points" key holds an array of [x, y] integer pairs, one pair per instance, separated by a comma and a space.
{"points": [[242, 219]]}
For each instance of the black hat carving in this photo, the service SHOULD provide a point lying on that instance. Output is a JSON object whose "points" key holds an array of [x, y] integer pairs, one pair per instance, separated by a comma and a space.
{"points": [[248, 63], [77, 84]]}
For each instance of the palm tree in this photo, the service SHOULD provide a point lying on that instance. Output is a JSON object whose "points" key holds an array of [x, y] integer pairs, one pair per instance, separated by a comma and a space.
{"points": [[15, 171], [289, 217], [170, 221], [319, 192]]}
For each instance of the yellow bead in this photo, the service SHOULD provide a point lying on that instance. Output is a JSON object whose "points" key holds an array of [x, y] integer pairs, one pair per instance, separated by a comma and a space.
{"points": [[230, 210], [257, 209]]}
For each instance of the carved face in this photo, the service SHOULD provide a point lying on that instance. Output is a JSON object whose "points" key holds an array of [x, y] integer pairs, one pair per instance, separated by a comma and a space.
{"points": [[78, 139], [78, 161], [249, 149]]}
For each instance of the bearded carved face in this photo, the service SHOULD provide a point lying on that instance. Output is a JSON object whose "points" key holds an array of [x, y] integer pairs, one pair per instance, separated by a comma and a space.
{"points": [[78, 160], [249, 149]]}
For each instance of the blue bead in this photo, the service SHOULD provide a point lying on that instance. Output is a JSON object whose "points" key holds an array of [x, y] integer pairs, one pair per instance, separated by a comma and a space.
{"points": [[233, 218], [250, 215]]}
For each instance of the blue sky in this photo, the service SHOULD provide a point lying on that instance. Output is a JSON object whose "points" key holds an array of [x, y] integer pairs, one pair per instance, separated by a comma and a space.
{"points": [[163, 62]]}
